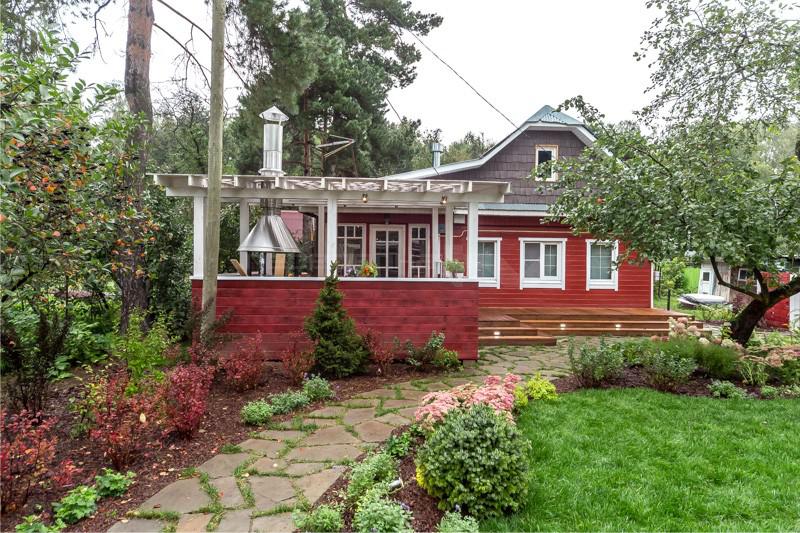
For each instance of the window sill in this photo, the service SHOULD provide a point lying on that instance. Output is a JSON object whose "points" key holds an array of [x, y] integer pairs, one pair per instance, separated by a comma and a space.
{"points": [[489, 283], [542, 285], [594, 286]]}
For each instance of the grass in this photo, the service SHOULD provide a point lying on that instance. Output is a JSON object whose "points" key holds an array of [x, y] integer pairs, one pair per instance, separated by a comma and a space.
{"points": [[640, 460]]}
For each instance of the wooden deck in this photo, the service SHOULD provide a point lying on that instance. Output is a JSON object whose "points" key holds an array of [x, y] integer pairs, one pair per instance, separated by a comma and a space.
{"points": [[541, 325]]}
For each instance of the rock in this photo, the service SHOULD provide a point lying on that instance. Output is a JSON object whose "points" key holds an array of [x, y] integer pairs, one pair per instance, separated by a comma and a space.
{"points": [[330, 435], [234, 522], [182, 496], [137, 525], [224, 464], [193, 523], [270, 491], [333, 452], [315, 485], [229, 495], [373, 431], [278, 523]]}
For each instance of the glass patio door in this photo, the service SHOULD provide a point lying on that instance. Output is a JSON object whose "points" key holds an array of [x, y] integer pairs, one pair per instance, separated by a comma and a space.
{"points": [[387, 250]]}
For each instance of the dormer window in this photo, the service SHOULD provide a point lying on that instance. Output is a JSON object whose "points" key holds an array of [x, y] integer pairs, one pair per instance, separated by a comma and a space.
{"points": [[546, 153]]}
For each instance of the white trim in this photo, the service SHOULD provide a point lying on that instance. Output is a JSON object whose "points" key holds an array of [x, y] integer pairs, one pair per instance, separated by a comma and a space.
{"points": [[363, 240], [652, 275], [331, 229], [244, 231], [472, 240], [428, 241], [509, 213], [436, 253], [613, 283], [495, 281], [547, 283], [237, 277], [794, 311], [553, 148], [401, 261], [198, 234]]}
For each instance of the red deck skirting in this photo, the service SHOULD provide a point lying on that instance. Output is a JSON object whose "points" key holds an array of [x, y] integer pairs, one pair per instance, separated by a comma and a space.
{"points": [[407, 310]]}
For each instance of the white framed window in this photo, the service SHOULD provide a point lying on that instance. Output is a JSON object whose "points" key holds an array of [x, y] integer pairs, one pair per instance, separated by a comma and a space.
{"points": [[350, 248], [744, 275], [489, 261], [418, 239], [545, 153], [387, 249], [542, 263], [601, 267]]}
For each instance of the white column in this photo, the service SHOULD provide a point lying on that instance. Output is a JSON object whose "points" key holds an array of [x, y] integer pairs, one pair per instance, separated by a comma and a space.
{"points": [[198, 223], [244, 230], [435, 255], [472, 240], [330, 245], [448, 233], [321, 240]]}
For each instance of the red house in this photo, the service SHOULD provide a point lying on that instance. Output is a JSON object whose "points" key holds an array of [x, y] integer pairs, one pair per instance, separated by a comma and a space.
{"points": [[525, 280]]}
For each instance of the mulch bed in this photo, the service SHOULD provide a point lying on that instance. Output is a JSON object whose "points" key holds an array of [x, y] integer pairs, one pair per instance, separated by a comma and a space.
{"points": [[162, 464]]}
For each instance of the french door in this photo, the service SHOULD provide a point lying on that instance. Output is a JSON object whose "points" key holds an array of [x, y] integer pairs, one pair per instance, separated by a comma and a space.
{"points": [[387, 250]]}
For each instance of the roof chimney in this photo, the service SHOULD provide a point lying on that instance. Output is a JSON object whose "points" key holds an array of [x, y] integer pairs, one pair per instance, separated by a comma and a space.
{"points": [[436, 150], [272, 164]]}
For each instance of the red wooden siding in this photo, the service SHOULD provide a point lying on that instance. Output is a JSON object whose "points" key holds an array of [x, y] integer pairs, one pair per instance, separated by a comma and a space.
{"points": [[408, 310]]}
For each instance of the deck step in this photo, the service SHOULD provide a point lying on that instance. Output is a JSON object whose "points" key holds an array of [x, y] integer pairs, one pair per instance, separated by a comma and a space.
{"points": [[598, 331], [512, 323], [605, 323], [516, 340], [506, 330]]}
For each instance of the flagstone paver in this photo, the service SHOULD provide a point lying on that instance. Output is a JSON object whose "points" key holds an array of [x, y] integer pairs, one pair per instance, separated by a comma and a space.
{"points": [[286, 466]]}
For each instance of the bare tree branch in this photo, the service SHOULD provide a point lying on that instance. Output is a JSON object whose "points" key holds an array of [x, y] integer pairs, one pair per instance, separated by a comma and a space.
{"points": [[186, 50], [96, 43]]}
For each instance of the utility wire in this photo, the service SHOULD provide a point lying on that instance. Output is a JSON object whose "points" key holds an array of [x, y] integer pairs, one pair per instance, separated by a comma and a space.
{"points": [[393, 109]]}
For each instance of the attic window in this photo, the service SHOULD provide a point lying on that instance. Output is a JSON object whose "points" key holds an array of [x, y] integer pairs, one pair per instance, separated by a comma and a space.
{"points": [[546, 153]]}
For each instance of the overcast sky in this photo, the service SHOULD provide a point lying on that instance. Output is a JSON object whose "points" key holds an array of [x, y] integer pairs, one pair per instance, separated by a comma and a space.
{"points": [[520, 54]]}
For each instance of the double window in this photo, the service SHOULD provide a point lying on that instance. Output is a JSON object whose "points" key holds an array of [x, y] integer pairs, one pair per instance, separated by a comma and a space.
{"points": [[542, 263], [489, 262], [601, 268], [350, 248]]}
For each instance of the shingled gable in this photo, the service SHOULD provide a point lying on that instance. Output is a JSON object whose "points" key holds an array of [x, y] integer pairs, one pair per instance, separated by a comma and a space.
{"points": [[512, 159]]}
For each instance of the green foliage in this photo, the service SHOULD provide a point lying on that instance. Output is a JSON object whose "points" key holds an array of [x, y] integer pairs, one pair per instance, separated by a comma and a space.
{"points": [[769, 392], [376, 468], [286, 402], [338, 349], [317, 388], [471, 146], [111, 483], [753, 371], [726, 389], [325, 518], [79, 503], [454, 266], [257, 412], [595, 365], [454, 522], [430, 351], [665, 370], [398, 446], [789, 372], [380, 514], [715, 313], [445, 358], [539, 388], [715, 360], [33, 524], [672, 277], [477, 460], [142, 351]]}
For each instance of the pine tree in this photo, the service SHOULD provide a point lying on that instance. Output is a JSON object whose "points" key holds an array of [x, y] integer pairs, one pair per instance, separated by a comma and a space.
{"points": [[338, 349]]}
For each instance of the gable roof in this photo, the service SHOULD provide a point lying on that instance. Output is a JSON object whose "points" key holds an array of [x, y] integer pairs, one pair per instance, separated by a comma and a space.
{"points": [[546, 118]]}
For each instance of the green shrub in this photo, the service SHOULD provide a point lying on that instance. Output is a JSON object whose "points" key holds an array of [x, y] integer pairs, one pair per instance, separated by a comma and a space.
{"points": [[381, 515], [453, 522], [317, 388], [789, 372], [445, 358], [634, 349], [719, 362], [753, 371], [142, 353], [715, 312], [475, 459], [325, 518], [111, 483], [79, 503], [726, 389], [539, 388], [595, 365], [374, 469], [770, 393], [520, 397], [286, 402], [257, 412], [33, 524], [398, 445], [667, 370]]}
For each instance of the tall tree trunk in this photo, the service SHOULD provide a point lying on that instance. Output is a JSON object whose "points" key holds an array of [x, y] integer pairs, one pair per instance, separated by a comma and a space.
{"points": [[746, 321], [134, 286], [211, 259]]}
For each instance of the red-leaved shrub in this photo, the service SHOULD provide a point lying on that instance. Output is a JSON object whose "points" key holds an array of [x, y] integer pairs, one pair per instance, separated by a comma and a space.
{"points": [[379, 353], [188, 390], [64, 474], [244, 364], [125, 423], [297, 359], [25, 456]]}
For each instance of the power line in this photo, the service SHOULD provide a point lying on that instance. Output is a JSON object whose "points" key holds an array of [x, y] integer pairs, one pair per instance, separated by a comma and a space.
{"points": [[393, 109]]}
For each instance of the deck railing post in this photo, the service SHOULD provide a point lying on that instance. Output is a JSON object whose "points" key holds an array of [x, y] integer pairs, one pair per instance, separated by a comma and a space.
{"points": [[244, 230], [198, 223], [472, 240], [448, 233], [435, 254], [321, 251], [330, 244]]}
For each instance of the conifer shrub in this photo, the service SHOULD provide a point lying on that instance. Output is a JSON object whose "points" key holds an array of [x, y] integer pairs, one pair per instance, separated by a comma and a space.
{"points": [[338, 349]]}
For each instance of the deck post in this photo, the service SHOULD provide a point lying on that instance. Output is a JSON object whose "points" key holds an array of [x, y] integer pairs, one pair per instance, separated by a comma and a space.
{"points": [[244, 230], [472, 240], [330, 244], [435, 254], [321, 240], [448, 233], [198, 223]]}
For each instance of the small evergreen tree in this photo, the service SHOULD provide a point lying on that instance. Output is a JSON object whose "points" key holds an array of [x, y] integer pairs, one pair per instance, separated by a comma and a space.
{"points": [[338, 349]]}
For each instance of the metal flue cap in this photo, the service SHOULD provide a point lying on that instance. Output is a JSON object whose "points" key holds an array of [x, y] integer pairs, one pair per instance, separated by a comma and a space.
{"points": [[270, 234], [273, 114]]}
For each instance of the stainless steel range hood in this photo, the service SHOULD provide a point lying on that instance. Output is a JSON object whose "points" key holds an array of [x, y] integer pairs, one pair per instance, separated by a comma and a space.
{"points": [[270, 235]]}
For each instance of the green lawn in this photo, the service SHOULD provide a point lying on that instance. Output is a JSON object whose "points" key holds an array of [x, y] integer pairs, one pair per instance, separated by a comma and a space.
{"points": [[640, 460]]}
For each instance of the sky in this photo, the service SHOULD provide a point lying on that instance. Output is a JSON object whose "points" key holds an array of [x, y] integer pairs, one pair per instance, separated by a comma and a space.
{"points": [[520, 54]]}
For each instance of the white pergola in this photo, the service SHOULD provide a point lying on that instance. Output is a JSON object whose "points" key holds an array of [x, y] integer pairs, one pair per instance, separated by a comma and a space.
{"points": [[329, 195]]}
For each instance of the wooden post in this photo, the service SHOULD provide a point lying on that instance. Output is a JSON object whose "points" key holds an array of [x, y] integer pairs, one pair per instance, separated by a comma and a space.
{"points": [[198, 225], [211, 259], [472, 240], [435, 253], [321, 241], [244, 230], [448, 233], [330, 244]]}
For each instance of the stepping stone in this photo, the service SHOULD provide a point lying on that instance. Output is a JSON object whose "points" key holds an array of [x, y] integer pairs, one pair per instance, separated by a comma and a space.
{"points": [[354, 416], [378, 393], [193, 523], [394, 404], [137, 525], [319, 422], [234, 522], [408, 412], [362, 402], [315, 485], [270, 491], [333, 411], [372, 431], [393, 419], [331, 435], [436, 386], [408, 385], [458, 381], [333, 452], [267, 465], [270, 448], [273, 434], [278, 523], [412, 395], [182, 496], [224, 464], [301, 469], [229, 495]]}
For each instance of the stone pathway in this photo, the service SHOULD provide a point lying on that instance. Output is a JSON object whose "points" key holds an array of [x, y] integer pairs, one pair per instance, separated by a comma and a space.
{"points": [[256, 486]]}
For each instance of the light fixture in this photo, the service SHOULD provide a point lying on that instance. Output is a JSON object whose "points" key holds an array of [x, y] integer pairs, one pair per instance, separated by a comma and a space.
{"points": [[365, 198], [563, 326], [444, 199], [618, 326], [496, 333]]}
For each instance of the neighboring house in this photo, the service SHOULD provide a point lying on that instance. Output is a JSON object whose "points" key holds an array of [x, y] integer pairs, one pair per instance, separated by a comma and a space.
{"points": [[486, 212]]}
